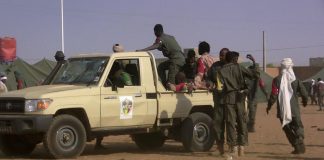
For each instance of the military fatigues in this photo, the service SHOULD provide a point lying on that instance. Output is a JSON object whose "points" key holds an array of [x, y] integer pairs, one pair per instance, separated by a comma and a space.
{"points": [[295, 129], [233, 76], [171, 49], [219, 124], [252, 103]]}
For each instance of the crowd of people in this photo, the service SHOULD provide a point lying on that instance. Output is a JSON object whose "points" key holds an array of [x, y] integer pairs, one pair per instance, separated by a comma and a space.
{"points": [[232, 85], [316, 93]]}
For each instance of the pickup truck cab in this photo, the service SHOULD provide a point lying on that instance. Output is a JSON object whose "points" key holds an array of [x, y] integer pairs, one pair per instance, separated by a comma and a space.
{"points": [[84, 100]]}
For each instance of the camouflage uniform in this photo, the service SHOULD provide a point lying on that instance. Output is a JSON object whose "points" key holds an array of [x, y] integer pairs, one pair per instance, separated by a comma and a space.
{"points": [[252, 102]]}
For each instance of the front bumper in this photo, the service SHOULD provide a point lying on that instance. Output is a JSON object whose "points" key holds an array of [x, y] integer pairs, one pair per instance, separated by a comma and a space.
{"points": [[24, 124]]}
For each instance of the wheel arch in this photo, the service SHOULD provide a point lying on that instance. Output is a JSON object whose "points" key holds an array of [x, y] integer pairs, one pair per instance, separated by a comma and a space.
{"points": [[80, 114], [207, 109]]}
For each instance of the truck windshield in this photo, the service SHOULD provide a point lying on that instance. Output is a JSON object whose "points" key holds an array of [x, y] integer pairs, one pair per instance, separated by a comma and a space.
{"points": [[81, 71]]}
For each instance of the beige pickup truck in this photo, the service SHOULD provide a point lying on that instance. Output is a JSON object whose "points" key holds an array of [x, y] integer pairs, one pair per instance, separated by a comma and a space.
{"points": [[81, 103]]}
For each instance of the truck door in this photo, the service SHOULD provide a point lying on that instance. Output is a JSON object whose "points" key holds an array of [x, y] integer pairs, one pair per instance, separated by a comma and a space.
{"points": [[125, 106]]}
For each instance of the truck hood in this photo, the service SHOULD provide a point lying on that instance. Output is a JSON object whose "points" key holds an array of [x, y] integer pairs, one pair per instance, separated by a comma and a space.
{"points": [[46, 91]]}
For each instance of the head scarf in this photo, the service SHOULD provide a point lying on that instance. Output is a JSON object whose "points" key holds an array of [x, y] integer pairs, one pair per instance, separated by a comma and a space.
{"points": [[118, 48], [286, 90], [3, 78]]}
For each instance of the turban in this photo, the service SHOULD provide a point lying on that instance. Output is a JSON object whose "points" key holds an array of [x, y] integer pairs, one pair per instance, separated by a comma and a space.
{"points": [[286, 91], [118, 48]]}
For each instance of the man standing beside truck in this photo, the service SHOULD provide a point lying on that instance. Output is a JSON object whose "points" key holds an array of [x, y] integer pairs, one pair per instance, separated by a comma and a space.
{"points": [[219, 124], [233, 75], [171, 49]]}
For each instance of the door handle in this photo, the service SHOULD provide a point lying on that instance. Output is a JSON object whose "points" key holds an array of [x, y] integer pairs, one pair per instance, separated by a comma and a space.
{"points": [[111, 97], [138, 95]]}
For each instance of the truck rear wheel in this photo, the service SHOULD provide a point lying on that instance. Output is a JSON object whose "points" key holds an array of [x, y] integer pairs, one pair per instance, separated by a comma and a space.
{"points": [[16, 145], [66, 137], [149, 141], [197, 133]]}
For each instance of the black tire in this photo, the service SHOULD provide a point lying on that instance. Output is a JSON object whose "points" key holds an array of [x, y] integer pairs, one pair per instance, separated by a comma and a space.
{"points": [[149, 141], [197, 133], [66, 137], [16, 145]]}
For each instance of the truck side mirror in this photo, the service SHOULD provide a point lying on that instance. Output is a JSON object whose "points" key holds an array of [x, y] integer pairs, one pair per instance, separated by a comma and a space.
{"points": [[118, 83], [114, 87]]}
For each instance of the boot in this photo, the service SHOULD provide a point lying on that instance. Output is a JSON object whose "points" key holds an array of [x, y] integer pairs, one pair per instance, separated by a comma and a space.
{"points": [[302, 148], [251, 128], [241, 151], [233, 150], [299, 149], [221, 149]]}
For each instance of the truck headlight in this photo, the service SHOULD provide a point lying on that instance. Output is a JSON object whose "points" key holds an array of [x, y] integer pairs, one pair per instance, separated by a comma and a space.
{"points": [[34, 105]]}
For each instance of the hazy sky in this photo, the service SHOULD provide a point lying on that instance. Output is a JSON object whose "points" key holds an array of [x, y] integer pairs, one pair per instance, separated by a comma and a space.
{"points": [[294, 28]]}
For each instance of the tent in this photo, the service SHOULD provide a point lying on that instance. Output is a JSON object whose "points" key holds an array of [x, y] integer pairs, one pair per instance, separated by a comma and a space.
{"points": [[45, 65], [319, 74], [31, 75]]}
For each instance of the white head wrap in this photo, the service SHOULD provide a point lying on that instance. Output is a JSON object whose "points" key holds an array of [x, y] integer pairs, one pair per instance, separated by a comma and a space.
{"points": [[3, 78], [286, 90], [118, 48]]}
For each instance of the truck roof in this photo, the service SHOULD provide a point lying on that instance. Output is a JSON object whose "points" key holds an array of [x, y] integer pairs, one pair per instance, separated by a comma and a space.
{"points": [[120, 54]]}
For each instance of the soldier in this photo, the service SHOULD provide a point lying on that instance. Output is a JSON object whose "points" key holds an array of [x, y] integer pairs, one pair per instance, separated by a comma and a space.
{"points": [[20, 81], [253, 86], [320, 93], [285, 90], [233, 75], [171, 49], [213, 75]]}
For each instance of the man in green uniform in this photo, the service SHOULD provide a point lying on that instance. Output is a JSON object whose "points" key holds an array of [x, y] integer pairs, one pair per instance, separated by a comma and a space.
{"points": [[233, 75], [219, 124], [171, 49], [285, 90], [253, 86]]}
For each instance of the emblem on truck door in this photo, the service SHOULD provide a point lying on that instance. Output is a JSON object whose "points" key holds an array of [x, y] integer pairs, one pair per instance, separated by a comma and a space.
{"points": [[126, 107]]}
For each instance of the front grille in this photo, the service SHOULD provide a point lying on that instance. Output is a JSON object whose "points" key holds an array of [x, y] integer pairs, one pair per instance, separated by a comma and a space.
{"points": [[6, 127], [12, 106]]}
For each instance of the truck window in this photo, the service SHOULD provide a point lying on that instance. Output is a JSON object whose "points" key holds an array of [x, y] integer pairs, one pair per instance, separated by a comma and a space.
{"points": [[125, 70]]}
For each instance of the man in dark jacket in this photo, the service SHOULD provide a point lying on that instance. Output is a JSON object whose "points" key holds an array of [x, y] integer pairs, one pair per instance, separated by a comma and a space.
{"points": [[285, 89], [233, 75], [190, 68], [171, 49], [219, 123], [252, 103]]}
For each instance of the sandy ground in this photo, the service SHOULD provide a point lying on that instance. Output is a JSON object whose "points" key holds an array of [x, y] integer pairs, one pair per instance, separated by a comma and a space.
{"points": [[268, 142]]}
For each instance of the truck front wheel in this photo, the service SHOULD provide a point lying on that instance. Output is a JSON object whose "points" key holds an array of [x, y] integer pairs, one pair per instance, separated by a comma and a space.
{"points": [[16, 145], [197, 133], [149, 141], [66, 137]]}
